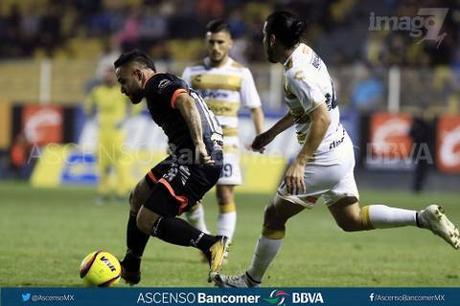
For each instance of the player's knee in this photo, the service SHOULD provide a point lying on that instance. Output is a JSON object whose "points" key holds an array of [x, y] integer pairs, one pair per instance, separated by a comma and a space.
{"points": [[143, 223], [138, 196], [272, 218], [224, 196], [350, 223]]}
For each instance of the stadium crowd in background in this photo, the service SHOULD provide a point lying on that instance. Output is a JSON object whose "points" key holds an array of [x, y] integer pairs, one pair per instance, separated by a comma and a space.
{"points": [[51, 28]]}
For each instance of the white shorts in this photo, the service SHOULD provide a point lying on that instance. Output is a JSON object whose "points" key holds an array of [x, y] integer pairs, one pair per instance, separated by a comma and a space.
{"points": [[231, 171], [329, 176]]}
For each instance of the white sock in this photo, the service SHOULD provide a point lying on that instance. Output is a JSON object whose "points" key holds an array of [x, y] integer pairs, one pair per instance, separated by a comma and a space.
{"points": [[382, 216], [226, 223], [196, 218], [265, 252]]}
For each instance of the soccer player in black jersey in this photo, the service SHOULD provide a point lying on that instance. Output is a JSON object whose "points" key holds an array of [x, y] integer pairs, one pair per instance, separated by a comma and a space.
{"points": [[180, 181]]}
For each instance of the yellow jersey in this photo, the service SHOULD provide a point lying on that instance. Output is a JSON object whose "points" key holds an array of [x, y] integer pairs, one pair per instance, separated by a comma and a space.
{"points": [[109, 104]]}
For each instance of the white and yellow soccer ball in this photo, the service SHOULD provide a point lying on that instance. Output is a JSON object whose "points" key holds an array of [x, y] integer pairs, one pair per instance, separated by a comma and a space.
{"points": [[100, 269]]}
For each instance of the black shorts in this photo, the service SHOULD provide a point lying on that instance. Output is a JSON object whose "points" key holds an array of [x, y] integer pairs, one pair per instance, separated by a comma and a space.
{"points": [[177, 187]]}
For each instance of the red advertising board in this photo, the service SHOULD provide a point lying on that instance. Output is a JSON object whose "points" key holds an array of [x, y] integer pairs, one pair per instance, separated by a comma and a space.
{"points": [[389, 135], [448, 144], [42, 124]]}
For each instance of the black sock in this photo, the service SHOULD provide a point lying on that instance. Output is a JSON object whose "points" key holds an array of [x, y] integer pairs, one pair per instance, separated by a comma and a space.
{"points": [[135, 239], [179, 232]]}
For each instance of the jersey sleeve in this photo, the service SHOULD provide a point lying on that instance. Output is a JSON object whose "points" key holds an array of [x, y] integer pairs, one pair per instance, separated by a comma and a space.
{"points": [[166, 88], [306, 90], [249, 95]]}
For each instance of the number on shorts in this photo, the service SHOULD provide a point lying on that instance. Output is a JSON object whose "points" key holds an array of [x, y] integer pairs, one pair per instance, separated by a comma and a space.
{"points": [[227, 171]]}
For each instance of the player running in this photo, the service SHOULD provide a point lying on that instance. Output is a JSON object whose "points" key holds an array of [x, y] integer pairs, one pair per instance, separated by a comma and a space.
{"points": [[324, 166], [180, 181], [225, 85]]}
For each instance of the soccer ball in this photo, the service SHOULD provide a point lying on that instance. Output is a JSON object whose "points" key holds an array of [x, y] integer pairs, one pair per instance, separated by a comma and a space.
{"points": [[100, 269]]}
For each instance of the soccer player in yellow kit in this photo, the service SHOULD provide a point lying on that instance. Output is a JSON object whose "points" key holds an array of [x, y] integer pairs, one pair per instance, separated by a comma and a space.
{"points": [[225, 85], [110, 108]]}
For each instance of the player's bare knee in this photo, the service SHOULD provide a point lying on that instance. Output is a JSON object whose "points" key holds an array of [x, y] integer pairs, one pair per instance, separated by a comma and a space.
{"points": [[350, 223], [224, 195], [143, 223], [272, 218], [139, 196]]}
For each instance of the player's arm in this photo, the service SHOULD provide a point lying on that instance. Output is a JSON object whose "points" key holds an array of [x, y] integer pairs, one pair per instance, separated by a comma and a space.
{"points": [[186, 106], [320, 120], [266, 137], [257, 116], [309, 94], [89, 105]]}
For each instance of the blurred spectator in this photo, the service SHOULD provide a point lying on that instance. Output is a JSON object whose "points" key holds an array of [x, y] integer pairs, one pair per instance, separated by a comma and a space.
{"points": [[368, 91], [110, 52], [129, 34], [21, 166], [339, 28], [423, 139]]}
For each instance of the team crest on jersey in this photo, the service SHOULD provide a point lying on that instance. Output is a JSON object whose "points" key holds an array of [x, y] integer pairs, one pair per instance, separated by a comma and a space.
{"points": [[299, 75], [163, 83]]}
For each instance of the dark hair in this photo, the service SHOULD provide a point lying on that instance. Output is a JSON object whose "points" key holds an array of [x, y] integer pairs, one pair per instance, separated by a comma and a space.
{"points": [[217, 25], [286, 27], [137, 56]]}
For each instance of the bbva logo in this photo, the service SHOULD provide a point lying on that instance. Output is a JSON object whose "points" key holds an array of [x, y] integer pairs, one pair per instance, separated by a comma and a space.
{"points": [[307, 297]]}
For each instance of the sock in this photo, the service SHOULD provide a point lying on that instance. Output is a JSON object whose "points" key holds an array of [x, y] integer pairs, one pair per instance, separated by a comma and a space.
{"points": [[265, 252], [136, 242], [382, 216], [180, 232], [196, 218], [226, 220]]}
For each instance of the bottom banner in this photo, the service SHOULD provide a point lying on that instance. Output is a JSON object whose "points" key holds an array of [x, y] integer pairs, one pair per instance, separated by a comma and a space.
{"points": [[215, 296]]}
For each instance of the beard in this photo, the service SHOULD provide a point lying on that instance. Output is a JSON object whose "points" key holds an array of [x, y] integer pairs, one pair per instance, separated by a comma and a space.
{"points": [[269, 53], [136, 97]]}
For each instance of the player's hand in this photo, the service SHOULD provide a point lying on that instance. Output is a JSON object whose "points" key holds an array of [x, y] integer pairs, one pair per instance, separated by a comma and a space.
{"points": [[261, 140], [294, 178], [202, 155]]}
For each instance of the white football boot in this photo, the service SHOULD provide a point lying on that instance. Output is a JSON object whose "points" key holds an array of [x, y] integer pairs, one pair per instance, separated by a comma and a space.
{"points": [[234, 281], [434, 219]]}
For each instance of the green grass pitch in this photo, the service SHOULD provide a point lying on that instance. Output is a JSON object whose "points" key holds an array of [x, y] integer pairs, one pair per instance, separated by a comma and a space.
{"points": [[45, 233]]}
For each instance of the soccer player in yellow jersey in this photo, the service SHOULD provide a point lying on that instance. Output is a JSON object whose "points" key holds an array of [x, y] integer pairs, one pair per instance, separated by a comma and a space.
{"points": [[225, 85], [110, 108]]}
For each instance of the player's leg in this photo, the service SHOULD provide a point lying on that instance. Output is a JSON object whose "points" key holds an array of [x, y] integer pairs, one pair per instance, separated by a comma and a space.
{"points": [[225, 189], [136, 240], [267, 247], [226, 219], [181, 187], [120, 165], [351, 217], [104, 157], [195, 216], [158, 218]]}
